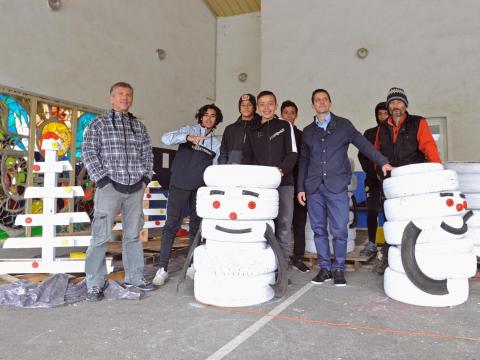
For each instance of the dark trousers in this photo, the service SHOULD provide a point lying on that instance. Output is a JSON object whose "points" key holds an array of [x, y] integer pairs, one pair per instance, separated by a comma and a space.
{"points": [[323, 204], [299, 222], [373, 188], [177, 200]]}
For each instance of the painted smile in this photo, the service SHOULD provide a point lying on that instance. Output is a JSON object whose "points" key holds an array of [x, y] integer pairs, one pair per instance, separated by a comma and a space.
{"points": [[233, 231], [457, 231]]}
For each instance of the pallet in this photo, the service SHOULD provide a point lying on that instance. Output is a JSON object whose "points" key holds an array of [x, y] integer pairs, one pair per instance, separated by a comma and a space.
{"points": [[354, 261]]}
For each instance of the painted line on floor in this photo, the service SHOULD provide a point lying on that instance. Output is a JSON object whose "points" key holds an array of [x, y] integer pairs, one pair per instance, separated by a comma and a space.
{"points": [[251, 330], [350, 326]]}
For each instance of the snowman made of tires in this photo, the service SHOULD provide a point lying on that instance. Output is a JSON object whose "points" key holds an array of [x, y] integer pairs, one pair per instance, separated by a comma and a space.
{"points": [[430, 258], [469, 178], [241, 262]]}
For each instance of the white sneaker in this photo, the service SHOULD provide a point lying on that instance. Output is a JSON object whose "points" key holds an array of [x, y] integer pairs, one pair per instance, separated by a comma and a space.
{"points": [[191, 272], [160, 277]]}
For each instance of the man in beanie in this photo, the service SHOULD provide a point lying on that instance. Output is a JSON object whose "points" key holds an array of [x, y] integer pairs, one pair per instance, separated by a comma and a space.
{"points": [[233, 138], [373, 185], [404, 139]]}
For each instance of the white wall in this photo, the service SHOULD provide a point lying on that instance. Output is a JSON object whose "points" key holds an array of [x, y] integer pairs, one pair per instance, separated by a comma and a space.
{"points": [[78, 52], [238, 51], [431, 48]]}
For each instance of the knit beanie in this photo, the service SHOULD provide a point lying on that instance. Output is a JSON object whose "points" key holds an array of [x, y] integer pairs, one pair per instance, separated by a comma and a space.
{"points": [[250, 98], [396, 93]]}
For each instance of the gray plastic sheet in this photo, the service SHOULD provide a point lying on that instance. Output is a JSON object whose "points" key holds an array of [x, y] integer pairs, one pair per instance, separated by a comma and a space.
{"points": [[57, 291]]}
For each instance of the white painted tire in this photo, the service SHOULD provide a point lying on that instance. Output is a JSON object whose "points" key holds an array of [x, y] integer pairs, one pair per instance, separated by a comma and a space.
{"points": [[431, 230], [473, 201], [423, 206], [437, 266], [235, 263], [235, 231], [397, 286], [469, 182], [474, 234], [233, 291], [266, 177], [457, 246], [222, 202], [352, 187], [476, 250], [416, 169], [222, 247], [423, 183], [463, 166], [474, 221]]}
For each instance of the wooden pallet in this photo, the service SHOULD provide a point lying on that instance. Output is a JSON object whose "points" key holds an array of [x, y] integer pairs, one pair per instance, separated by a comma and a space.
{"points": [[354, 261]]}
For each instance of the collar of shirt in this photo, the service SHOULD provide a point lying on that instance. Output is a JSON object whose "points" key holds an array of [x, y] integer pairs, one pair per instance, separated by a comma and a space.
{"points": [[325, 123], [391, 123]]}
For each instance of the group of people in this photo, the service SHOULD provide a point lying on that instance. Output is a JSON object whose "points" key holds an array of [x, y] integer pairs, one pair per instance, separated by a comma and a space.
{"points": [[314, 168]]}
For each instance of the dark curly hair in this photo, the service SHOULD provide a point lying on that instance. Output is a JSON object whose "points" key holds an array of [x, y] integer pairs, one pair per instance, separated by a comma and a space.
{"points": [[203, 110]]}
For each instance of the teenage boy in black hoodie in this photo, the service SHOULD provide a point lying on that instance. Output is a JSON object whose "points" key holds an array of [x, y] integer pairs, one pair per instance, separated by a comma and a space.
{"points": [[233, 138], [270, 141], [373, 185]]}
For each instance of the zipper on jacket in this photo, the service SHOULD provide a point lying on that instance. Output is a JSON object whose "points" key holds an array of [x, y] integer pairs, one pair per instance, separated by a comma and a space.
{"points": [[126, 152]]}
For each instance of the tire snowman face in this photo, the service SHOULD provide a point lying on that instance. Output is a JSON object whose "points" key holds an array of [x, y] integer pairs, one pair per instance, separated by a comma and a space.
{"points": [[236, 266], [228, 203], [426, 225], [423, 206]]}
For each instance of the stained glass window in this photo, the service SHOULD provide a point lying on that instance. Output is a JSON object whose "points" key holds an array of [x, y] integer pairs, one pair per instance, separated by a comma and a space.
{"points": [[16, 123]]}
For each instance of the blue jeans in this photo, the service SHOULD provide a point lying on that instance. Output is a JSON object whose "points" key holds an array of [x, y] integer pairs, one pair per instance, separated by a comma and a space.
{"points": [[322, 205], [107, 202]]}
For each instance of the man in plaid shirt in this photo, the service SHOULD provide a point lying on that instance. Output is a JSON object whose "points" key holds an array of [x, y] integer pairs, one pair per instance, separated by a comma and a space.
{"points": [[118, 156]]}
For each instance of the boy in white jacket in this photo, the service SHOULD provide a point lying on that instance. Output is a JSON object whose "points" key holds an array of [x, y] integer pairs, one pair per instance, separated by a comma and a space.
{"points": [[197, 149]]}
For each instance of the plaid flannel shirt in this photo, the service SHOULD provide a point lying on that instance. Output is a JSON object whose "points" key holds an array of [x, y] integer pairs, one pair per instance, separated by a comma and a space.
{"points": [[117, 146]]}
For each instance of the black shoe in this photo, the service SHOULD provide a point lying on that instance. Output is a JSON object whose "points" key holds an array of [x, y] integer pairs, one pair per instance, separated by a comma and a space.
{"points": [[339, 278], [369, 250], [94, 294], [144, 285], [300, 266], [323, 275]]}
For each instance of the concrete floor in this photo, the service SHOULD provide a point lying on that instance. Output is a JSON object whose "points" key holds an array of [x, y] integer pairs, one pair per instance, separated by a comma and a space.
{"points": [[356, 322]]}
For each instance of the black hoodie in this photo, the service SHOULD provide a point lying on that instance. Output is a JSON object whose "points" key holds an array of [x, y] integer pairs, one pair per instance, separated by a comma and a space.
{"points": [[370, 134], [272, 144], [233, 140]]}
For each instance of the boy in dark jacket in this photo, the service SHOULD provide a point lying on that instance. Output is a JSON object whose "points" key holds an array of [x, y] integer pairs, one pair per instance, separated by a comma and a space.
{"points": [[197, 149], [289, 112], [373, 185], [271, 142], [233, 139]]}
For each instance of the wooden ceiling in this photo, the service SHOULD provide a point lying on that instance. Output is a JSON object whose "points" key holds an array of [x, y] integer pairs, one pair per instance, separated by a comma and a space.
{"points": [[233, 7]]}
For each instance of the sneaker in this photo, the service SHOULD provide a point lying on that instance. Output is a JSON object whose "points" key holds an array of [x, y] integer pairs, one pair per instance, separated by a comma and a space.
{"points": [[160, 277], [339, 278], [300, 266], [369, 250], [94, 294], [144, 285], [322, 276], [191, 272]]}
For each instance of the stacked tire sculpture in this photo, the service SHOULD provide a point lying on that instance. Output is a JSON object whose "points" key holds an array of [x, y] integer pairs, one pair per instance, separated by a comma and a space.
{"points": [[469, 178], [352, 230], [430, 258], [236, 266]]}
